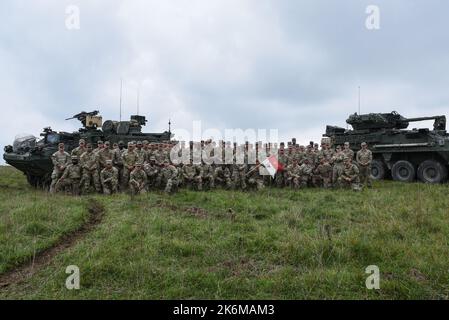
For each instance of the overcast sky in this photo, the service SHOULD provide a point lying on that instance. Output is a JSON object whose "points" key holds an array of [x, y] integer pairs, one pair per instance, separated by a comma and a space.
{"points": [[290, 65]]}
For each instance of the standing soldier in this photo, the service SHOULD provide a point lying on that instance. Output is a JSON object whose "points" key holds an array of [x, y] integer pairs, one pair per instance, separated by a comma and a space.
{"points": [[60, 160], [364, 158], [281, 175], [129, 158], [347, 151], [138, 180], [89, 164], [71, 178], [338, 162], [106, 154], [239, 176], [349, 177], [294, 174], [306, 171], [99, 147], [78, 151], [109, 178], [141, 154]]}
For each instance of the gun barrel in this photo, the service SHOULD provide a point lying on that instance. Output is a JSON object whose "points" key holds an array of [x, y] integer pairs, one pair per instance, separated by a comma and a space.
{"points": [[423, 118]]}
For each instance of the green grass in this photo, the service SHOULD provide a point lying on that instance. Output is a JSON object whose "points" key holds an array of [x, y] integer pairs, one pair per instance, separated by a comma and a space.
{"points": [[275, 244]]}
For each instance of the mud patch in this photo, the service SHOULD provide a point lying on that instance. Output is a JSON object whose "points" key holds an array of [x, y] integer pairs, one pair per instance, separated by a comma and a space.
{"points": [[43, 258]]}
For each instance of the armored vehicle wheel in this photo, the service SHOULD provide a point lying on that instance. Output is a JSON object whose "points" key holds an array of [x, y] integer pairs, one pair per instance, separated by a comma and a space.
{"points": [[377, 170], [431, 171], [403, 171]]}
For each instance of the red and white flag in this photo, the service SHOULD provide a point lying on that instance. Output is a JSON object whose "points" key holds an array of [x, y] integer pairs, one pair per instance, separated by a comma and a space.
{"points": [[271, 165]]}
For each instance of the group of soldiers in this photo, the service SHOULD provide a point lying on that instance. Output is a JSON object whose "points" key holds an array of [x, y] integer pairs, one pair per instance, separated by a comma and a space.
{"points": [[144, 166]]}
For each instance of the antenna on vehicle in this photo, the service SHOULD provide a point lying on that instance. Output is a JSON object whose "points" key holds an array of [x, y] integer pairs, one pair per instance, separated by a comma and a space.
{"points": [[138, 98], [121, 86], [169, 126], [359, 99]]}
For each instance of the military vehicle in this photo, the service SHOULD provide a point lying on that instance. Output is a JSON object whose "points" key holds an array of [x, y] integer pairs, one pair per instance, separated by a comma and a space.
{"points": [[401, 154], [33, 156]]}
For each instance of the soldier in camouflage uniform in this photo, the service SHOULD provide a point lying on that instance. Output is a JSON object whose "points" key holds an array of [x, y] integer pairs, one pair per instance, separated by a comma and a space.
{"points": [[294, 174], [106, 154], [254, 178], [349, 177], [129, 158], [338, 163], [152, 169], [89, 164], [169, 177], [192, 176], [71, 177], [323, 174], [109, 178], [281, 176], [78, 151], [141, 154], [347, 151], [138, 180], [99, 147], [208, 176], [239, 176], [364, 159], [60, 161], [222, 176], [305, 173]]}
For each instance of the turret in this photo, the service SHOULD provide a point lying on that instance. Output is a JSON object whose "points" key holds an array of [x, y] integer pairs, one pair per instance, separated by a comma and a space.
{"points": [[377, 121]]}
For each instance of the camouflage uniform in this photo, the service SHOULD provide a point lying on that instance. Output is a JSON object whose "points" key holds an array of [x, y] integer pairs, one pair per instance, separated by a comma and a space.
{"points": [[338, 162], [169, 175], [323, 175], [192, 176], [153, 173], [109, 180], [281, 176], [129, 158], [294, 175], [239, 176], [208, 176], [78, 152], [349, 177], [254, 178], [60, 160], [71, 178], [364, 159], [89, 163], [306, 171], [138, 181], [222, 176]]}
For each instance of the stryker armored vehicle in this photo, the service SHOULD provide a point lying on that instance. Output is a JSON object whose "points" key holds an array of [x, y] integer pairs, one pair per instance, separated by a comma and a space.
{"points": [[33, 156], [405, 155]]}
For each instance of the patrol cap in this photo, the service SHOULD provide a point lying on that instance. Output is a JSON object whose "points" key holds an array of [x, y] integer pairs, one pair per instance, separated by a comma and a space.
{"points": [[145, 142], [139, 143], [61, 144], [152, 158], [74, 158], [121, 143], [99, 142], [364, 144], [139, 164], [346, 143], [82, 141], [130, 144], [107, 143], [108, 161]]}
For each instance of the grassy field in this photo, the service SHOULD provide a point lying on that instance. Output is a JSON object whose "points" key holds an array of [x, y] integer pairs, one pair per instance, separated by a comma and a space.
{"points": [[276, 244]]}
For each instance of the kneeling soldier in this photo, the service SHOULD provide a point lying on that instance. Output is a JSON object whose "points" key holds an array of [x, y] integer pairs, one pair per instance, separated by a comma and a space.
{"points": [[138, 180], [109, 178], [349, 177]]}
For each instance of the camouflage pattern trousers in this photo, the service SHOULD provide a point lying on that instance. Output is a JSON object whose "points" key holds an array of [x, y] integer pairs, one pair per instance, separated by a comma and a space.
{"points": [[365, 174]]}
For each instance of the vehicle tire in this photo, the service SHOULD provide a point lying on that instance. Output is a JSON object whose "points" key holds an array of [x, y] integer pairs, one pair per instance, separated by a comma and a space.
{"points": [[432, 171], [403, 171], [34, 181], [377, 170]]}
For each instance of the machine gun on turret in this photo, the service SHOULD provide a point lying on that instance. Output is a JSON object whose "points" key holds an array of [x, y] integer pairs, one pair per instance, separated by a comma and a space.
{"points": [[90, 120]]}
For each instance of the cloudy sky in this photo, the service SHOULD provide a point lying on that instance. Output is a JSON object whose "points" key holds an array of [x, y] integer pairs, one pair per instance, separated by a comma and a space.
{"points": [[290, 65]]}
